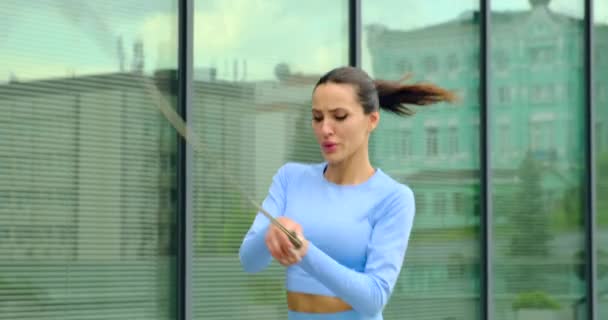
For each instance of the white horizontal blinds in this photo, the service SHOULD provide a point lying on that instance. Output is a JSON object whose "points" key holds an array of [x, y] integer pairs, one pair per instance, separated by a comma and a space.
{"points": [[252, 110], [248, 140], [223, 116], [38, 171], [86, 179], [85, 211]]}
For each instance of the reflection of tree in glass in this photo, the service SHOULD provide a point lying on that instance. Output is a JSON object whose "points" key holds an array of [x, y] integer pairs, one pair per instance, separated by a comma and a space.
{"points": [[529, 216], [530, 221], [25, 292], [281, 71]]}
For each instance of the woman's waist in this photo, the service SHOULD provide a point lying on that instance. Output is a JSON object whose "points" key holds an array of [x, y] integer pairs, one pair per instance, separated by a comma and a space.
{"points": [[307, 294], [315, 303]]}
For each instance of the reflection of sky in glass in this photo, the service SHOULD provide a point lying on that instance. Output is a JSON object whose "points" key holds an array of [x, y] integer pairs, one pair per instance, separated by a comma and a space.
{"points": [[59, 38], [303, 34]]}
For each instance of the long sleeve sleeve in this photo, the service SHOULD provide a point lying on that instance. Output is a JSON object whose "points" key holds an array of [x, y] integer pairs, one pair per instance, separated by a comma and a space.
{"points": [[253, 253], [369, 291]]}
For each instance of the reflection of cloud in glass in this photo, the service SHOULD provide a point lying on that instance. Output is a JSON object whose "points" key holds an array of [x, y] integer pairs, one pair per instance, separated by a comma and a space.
{"points": [[264, 35], [85, 34], [601, 12], [5, 24], [84, 38]]}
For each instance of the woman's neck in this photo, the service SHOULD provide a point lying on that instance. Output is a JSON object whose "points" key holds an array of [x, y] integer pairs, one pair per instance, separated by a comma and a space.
{"points": [[354, 170]]}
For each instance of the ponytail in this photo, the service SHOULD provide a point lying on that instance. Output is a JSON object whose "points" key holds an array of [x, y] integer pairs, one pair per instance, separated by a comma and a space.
{"points": [[394, 96]]}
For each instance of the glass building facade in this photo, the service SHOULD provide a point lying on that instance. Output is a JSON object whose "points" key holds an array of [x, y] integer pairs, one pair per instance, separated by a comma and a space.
{"points": [[106, 213]]}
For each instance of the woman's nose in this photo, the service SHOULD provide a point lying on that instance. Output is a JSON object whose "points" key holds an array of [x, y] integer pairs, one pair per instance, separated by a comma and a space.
{"points": [[327, 127]]}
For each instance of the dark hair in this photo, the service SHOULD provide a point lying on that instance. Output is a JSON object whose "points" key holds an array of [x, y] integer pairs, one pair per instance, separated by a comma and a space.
{"points": [[391, 96]]}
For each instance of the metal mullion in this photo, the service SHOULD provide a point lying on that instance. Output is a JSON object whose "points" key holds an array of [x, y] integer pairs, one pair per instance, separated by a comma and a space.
{"points": [[486, 285], [590, 169], [184, 163], [354, 33]]}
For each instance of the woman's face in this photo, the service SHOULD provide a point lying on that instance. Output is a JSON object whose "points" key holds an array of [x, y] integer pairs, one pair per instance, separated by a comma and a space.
{"points": [[339, 123]]}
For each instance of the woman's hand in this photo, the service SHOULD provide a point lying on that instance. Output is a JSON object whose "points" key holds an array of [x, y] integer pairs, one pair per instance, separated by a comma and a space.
{"points": [[279, 245]]}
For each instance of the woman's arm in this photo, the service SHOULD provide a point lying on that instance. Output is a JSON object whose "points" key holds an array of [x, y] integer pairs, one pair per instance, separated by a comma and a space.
{"points": [[253, 253], [369, 291]]}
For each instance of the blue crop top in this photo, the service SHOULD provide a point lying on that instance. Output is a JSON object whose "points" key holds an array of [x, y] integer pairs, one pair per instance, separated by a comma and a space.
{"points": [[357, 234]]}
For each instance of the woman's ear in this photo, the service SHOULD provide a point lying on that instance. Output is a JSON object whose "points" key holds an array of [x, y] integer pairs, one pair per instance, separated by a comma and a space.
{"points": [[374, 119]]}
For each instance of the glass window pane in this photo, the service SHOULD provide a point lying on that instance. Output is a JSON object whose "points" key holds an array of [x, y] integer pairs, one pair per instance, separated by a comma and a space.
{"points": [[601, 150], [437, 42], [85, 171], [538, 247], [254, 67]]}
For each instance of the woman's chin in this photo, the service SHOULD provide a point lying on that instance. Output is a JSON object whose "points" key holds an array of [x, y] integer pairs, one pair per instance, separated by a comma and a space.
{"points": [[331, 158]]}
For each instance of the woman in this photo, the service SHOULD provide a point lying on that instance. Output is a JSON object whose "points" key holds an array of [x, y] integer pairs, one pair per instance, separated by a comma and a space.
{"points": [[354, 221]]}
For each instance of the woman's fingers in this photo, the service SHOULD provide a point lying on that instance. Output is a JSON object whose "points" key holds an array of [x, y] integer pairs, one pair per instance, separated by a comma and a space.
{"points": [[280, 246], [274, 246], [292, 258]]}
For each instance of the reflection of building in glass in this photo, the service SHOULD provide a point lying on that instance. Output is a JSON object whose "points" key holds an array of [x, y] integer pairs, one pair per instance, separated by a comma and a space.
{"points": [[87, 196], [86, 166], [249, 128], [537, 101], [537, 76]]}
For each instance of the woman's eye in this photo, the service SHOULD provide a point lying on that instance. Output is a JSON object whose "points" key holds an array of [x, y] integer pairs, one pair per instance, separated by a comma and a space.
{"points": [[317, 119], [340, 117]]}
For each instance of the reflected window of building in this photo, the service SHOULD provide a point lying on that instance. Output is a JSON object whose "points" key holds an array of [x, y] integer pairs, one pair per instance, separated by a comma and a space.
{"points": [[404, 65], [432, 142], [501, 60], [504, 139], [542, 55], [459, 203], [542, 93], [505, 94], [456, 267], [453, 139], [439, 203], [535, 137], [421, 205], [406, 143]]}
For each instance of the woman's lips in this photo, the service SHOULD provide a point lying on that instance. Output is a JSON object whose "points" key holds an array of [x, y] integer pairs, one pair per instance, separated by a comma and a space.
{"points": [[329, 147]]}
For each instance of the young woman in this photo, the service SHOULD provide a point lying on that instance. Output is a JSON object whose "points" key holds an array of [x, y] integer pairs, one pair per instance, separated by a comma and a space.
{"points": [[354, 220]]}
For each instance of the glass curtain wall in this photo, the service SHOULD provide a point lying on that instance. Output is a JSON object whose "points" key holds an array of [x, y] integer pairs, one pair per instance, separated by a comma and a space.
{"points": [[255, 66], [537, 58], [435, 152], [88, 164], [600, 98], [87, 170]]}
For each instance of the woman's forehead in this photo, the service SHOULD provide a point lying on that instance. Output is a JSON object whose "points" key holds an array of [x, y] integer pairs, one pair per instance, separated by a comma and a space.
{"points": [[332, 96]]}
